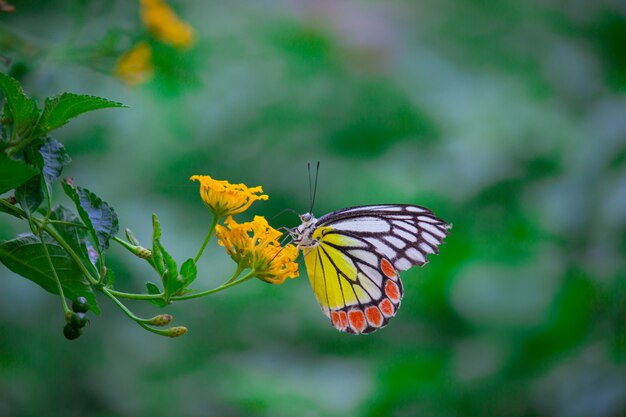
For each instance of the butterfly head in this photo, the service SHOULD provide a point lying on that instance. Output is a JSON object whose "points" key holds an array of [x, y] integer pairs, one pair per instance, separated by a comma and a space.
{"points": [[303, 235]]}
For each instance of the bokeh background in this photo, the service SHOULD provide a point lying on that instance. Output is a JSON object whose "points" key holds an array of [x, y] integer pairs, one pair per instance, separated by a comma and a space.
{"points": [[507, 118]]}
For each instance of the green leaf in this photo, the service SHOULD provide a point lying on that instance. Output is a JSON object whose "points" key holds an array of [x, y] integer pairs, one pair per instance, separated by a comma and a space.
{"points": [[30, 195], [23, 109], [25, 256], [55, 157], [164, 262], [14, 173], [188, 271], [97, 215], [171, 281], [154, 290], [75, 236], [110, 278], [157, 255], [60, 109]]}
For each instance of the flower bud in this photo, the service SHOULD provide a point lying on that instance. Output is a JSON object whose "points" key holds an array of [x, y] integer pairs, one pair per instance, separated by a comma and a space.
{"points": [[142, 252], [161, 320], [177, 331]]}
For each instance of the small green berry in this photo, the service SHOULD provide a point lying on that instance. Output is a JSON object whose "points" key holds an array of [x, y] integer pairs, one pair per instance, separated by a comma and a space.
{"points": [[80, 305], [78, 320], [71, 332]]}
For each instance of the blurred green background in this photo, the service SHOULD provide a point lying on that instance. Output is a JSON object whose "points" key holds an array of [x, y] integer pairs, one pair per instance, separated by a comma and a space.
{"points": [[507, 118]]}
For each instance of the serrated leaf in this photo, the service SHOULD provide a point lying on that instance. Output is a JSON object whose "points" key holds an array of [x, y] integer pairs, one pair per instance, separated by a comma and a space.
{"points": [[25, 256], [96, 214], [14, 173], [154, 290], [75, 236], [60, 109], [30, 195], [23, 109], [188, 271], [55, 157]]}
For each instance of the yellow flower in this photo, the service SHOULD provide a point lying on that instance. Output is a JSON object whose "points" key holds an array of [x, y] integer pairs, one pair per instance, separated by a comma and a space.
{"points": [[225, 199], [255, 245], [163, 23], [135, 66]]}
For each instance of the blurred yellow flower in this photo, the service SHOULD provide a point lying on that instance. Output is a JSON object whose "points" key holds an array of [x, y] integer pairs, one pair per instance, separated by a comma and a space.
{"points": [[255, 245], [163, 23], [225, 199], [135, 66]]}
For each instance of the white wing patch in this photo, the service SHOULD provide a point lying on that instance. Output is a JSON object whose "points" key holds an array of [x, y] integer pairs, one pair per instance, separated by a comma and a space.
{"points": [[403, 234], [398, 243], [365, 256], [372, 273], [363, 224], [382, 248]]}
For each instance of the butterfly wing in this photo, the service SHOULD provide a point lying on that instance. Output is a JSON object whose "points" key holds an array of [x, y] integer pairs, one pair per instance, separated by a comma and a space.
{"points": [[353, 269], [404, 234], [356, 287]]}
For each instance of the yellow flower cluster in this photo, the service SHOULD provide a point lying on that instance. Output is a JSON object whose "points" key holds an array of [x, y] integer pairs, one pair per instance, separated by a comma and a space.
{"points": [[226, 199], [255, 245], [164, 25], [135, 66]]}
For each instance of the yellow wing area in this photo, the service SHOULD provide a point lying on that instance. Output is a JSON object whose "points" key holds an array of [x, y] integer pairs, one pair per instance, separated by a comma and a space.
{"points": [[331, 272]]}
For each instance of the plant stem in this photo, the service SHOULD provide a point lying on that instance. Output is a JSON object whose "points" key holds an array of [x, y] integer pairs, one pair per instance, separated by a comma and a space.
{"points": [[227, 284], [18, 211], [68, 249], [132, 296], [207, 238], [125, 309], [66, 309], [138, 320], [77, 225]]}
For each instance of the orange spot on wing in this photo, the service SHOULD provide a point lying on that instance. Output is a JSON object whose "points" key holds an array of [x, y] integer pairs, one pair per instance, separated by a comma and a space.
{"points": [[357, 320], [387, 268], [374, 317], [343, 319], [386, 307], [392, 291], [339, 320]]}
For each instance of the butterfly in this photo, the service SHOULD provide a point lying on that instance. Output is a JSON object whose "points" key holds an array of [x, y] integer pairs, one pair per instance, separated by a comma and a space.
{"points": [[353, 258]]}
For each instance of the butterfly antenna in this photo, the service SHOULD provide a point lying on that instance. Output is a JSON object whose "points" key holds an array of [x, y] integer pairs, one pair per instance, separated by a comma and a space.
{"points": [[308, 167], [284, 211], [317, 171]]}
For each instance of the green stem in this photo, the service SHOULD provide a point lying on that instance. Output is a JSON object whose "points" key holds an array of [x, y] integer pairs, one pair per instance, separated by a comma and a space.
{"points": [[78, 225], [133, 249], [235, 275], [68, 249], [227, 284], [124, 243], [138, 320], [66, 309], [125, 309], [132, 296], [207, 238], [18, 211]]}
